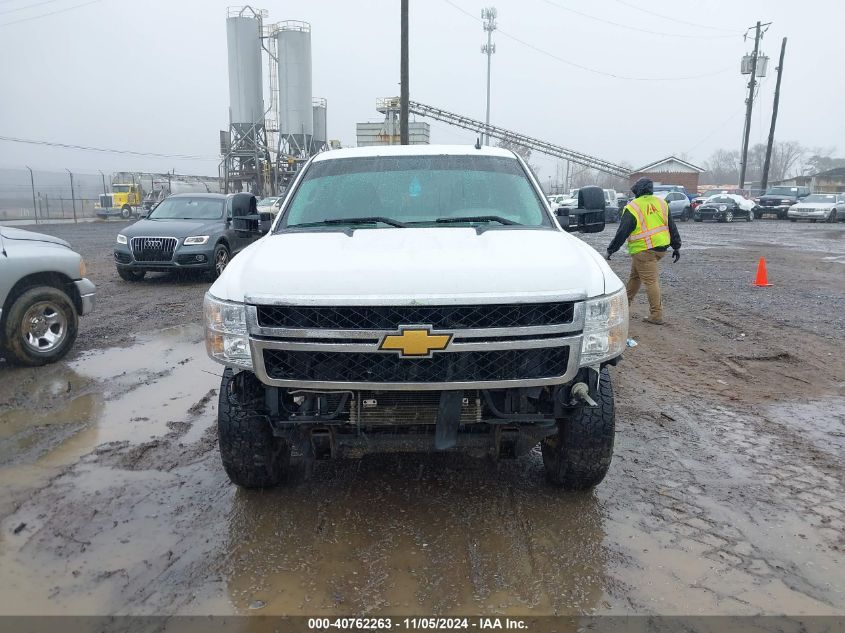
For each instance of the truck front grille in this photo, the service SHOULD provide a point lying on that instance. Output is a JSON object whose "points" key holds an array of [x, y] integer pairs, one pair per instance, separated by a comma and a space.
{"points": [[105, 201], [153, 249], [361, 367], [438, 317]]}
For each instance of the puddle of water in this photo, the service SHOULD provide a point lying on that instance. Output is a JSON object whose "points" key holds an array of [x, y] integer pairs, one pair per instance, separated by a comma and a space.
{"points": [[131, 395]]}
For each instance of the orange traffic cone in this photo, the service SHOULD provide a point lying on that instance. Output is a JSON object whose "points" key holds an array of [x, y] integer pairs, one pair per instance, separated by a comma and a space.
{"points": [[762, 279]]}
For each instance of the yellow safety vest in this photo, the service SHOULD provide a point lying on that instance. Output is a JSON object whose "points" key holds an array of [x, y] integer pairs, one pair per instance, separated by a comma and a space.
{"points": [[652, 216]]}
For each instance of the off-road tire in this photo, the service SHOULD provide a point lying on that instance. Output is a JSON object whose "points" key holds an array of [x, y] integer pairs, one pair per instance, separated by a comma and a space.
{"points": [[579, 455], [252, 456], [15, 348], [127, 274]]}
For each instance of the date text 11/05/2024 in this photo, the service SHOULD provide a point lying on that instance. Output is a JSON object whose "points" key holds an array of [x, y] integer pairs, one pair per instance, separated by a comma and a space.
{"points": [[422, 623]]}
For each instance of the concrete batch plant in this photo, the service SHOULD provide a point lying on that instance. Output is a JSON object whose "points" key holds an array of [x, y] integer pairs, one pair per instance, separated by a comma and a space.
{"points": [[266, 143]]}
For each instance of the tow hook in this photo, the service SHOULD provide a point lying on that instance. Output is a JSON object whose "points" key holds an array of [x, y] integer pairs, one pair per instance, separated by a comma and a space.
{"points": [[582, 392]]}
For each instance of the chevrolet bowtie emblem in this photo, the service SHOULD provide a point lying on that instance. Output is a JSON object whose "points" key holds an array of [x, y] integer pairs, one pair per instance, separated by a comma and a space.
{"points": [[415, 341]]}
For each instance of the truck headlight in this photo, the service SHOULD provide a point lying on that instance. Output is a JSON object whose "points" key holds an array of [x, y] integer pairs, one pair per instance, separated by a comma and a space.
{"points": [[226, 338], [121, 238], [196, 240], [605, 328]]}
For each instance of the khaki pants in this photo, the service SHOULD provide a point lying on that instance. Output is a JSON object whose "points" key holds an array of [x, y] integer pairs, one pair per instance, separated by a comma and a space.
{"points": [[644, 270]]}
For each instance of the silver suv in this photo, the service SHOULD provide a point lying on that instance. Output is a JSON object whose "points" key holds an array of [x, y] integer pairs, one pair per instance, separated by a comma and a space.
{"points": [[43, 291]]}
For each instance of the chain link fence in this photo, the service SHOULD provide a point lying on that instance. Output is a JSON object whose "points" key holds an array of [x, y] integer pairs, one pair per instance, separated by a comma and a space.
{"points": [[46, 196]]}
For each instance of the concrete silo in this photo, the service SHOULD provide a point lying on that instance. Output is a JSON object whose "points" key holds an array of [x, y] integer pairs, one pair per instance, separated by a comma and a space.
{"points": [[247, 158], [296, 122], [319, 142]]}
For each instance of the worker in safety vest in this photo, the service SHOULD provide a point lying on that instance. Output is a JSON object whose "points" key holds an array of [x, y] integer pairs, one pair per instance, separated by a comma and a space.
{"points": [[649, 229]]}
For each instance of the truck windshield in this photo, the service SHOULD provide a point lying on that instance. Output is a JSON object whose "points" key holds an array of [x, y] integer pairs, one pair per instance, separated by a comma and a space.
{"points": [[188, 209], [120, 188], [416, 191]]}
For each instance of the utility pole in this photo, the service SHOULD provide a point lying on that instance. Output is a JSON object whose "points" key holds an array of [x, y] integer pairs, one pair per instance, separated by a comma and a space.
{"points": [[749, 103], [404, 93], [765, 180], [489, 16], [72, 194], [32, 183]]}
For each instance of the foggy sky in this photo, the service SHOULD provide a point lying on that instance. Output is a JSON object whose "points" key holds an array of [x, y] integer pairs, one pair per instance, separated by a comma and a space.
{"points": [[151, 76]]}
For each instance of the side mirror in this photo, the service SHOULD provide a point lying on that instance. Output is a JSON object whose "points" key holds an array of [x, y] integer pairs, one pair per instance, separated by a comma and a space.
{"points": [[589, 216], [245, 216]]}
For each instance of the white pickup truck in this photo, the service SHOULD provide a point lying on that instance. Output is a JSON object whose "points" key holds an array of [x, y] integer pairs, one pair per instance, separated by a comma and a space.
{"points": [[418, 298]]}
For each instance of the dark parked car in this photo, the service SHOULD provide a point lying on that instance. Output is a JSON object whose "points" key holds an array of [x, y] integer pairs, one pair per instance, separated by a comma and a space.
{"points": [[725, 208], [190, 231], [778, 199]]}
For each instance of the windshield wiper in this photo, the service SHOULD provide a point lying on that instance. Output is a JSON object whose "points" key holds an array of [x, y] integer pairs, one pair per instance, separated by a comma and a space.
{"points": [[478, 218], [375, 219]]}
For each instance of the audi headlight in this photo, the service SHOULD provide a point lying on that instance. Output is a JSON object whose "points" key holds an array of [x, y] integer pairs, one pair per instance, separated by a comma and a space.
{"points": [[196, 240], [226, 338], [121, 238], [605, 328]]}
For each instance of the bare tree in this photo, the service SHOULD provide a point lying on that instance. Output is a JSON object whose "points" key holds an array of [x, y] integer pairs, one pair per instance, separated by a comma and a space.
{"points": [[722, 167], [515, 147], [787, 157]]}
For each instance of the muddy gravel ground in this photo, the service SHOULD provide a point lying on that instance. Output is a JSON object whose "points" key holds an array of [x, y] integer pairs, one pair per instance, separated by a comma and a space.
{"points": [[726, 493]]}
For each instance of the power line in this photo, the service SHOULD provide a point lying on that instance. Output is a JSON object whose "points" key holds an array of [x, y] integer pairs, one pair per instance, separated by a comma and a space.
{"points": [[28, 6], [678, 20], [44, 15], [587, 68], [635, 28], [12, 139]]}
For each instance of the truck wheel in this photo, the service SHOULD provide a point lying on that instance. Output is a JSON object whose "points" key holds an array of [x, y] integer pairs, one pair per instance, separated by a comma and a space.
{"points": [[126, 212], [41, 326], [252, 456], [127, 274], [577, 458]]}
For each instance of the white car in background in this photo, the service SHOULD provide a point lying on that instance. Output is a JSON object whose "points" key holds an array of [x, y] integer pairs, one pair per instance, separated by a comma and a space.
{"points": [[818, 206], [271, 204]]}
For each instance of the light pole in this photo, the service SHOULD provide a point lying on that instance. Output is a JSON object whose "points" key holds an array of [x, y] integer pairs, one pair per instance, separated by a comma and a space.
{"points": [[32, 183], [489, 16]]}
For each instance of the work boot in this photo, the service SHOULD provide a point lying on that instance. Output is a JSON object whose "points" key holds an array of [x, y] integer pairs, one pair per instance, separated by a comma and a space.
{"points": [[653, 321]]}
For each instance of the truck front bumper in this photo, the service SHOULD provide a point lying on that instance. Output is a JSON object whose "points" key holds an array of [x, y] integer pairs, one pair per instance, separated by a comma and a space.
{"points": [[87, 295], [192, 257]]}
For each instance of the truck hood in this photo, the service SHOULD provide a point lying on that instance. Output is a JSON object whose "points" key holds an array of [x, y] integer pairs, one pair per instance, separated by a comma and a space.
{"points": [[416, 265], [778, 198], [172, 228], [9, 233]]}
